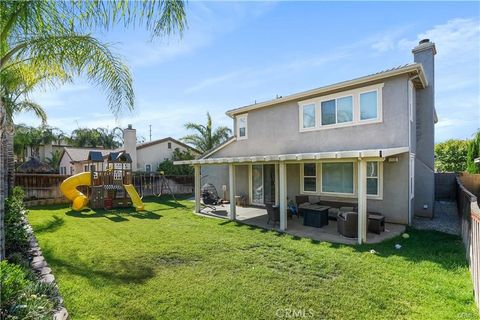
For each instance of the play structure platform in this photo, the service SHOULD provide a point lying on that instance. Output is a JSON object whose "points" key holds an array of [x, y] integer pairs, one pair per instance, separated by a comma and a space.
{"points": [[107, 185]]}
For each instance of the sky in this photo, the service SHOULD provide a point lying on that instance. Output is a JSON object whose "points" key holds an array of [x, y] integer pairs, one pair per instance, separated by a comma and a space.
{"points": [[236, 53]]}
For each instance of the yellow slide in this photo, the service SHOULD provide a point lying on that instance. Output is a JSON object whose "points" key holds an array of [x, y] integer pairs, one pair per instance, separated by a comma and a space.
{"points": [[69, 189], [137, 202]]}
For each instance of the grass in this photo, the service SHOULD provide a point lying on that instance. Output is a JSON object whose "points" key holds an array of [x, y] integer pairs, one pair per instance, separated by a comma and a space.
{"points": [[167, 263]]}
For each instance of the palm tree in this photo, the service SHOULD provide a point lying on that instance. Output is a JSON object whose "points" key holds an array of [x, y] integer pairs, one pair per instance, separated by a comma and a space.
{"points": [[53, 33], [206, 138], [111, 139], [54, 159]]}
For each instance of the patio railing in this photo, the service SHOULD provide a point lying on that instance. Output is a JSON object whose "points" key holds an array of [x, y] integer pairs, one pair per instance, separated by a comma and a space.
{"points": [[470, 213]]}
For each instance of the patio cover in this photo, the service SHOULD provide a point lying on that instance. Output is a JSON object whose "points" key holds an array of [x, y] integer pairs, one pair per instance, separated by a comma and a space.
{"points": [[372, 153]]}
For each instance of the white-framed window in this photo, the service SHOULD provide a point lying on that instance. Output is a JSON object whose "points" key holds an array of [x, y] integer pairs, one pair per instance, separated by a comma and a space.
{"points": [[148, 168], [308, 116], [410, 100], [72, 170], [338, 178], [86, 168], [369, 105], [339, 110], [347, 108], [169, 145], [373, 178], [309, 177], [242, 126]]}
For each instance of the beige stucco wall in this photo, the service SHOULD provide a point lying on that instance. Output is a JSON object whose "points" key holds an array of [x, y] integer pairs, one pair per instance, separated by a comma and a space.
{"points": [[155, 154]]}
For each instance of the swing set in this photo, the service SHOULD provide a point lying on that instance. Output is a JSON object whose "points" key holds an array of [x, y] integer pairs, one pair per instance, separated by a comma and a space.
{"points": [[152, 184]]}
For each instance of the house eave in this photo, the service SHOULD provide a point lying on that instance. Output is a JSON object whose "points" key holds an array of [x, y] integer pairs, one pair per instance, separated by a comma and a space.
{"points": [[414, 69]]}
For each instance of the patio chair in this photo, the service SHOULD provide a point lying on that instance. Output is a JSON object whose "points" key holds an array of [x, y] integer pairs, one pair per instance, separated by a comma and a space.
{"points": [[273, 213], [292, 209], [210, 197], [347, 224]]}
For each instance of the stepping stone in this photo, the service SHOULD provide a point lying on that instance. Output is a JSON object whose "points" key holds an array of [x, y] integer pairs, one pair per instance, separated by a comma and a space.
{"points": [[39, 264], [61, 314], [49, 278], [44, 271]]}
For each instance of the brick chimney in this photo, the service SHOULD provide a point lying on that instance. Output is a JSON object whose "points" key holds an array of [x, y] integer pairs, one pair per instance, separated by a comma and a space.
{"points": [[130, 144]]}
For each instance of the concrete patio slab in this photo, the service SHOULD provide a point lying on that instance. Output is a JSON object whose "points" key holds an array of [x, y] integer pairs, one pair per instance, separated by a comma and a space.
{"points": [[255, 216]]}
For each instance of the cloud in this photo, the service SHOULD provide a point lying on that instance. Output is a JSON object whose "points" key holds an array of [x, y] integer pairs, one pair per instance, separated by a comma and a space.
{"points": [[206, 22]]}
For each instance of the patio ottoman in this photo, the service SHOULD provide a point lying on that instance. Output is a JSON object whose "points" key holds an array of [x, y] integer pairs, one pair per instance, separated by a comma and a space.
{"points": [[376, 223], [315, 216]]}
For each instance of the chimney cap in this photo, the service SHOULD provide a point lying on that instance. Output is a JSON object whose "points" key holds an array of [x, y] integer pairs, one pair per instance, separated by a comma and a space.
{"points": [[424, 44], [129, 126]]}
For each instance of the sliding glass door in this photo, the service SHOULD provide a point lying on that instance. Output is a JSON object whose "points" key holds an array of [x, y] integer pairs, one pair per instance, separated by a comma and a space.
{"points": [[263, 183], [257, 184]]}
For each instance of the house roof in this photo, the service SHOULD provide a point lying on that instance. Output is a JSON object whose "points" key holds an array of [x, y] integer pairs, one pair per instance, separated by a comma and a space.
{"points": [[348, 154], [414, 70], [33, 165], [95, 156], [155, 142], [81, 154], [219, 147], [120, 156]]}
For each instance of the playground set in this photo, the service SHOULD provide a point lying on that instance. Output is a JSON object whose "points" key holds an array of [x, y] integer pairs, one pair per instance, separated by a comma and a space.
{"points": [[108, 186]]}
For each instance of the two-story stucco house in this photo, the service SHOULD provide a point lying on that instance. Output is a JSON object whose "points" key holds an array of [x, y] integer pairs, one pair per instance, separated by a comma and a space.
{"points": [[369, 141]]}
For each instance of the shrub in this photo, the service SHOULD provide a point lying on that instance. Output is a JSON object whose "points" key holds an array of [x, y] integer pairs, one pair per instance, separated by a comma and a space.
{"points": [[451, 156], [170, 169], [16, 237], [22, 296]]}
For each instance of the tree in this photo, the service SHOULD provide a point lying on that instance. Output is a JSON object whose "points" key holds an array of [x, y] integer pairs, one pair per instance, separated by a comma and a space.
{"points": [[206, 137], [451, 156], [31, 137], [56, 33], [473, 153], [54, 159], [99, 137], [169, 169]]}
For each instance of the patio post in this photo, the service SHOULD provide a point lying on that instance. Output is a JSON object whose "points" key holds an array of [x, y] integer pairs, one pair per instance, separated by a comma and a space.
{"points": [[362, 201], [197, 190], [283, 195], [232, 215]]}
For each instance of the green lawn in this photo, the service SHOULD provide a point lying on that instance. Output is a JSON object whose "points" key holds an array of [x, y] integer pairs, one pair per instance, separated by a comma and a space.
{"points": [[167, 263]]}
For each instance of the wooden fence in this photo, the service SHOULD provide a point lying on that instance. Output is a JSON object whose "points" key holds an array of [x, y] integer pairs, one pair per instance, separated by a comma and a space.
{"points": [[41, 188], [470, 214], [45, 188]]}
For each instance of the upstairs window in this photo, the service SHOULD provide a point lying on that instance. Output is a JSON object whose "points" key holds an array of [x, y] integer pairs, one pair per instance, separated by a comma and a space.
{"points": [[148, 168], [368, 105], [308, 114], [242, 131], [169, 145], [347, 108], [337, 110]]}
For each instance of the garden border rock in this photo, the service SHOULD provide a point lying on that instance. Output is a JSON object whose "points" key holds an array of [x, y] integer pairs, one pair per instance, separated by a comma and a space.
{"points": [[40, 266]]}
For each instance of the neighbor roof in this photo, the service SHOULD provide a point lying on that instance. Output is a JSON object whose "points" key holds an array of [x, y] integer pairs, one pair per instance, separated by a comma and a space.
{"points": [[415, 70], [154, 142], [81, 154]]}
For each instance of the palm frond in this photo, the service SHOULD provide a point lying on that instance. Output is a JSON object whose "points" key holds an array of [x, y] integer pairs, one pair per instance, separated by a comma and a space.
{"points": [[81, 54]]}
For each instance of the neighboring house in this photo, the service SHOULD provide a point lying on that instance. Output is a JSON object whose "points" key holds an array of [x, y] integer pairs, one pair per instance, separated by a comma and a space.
{"points": [[151, 154], [145, 157], [75, 160], [369, 141], [44, 151]]}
